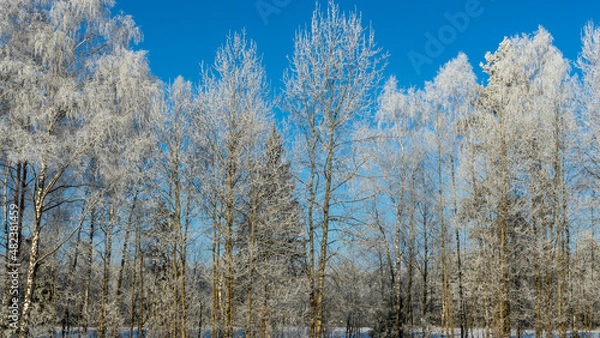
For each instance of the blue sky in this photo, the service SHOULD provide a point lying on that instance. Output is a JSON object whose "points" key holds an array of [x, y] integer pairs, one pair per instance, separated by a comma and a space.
{"points": [[179, 34]]}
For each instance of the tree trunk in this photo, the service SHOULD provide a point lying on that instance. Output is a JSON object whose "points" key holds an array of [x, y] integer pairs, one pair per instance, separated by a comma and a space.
{"points": [[503, 301], [216, 266], [40, 195], [136, 255], [182, 269], [425, 273], [229, 268], [463, 325], [328, 171], [231, 173], [141, 320], [249, 290], [175, 325], [311, 242], [124, 253], [265, 312], [104, 290], [88, 280], [397, 272], [446, 298], [411, 258]]}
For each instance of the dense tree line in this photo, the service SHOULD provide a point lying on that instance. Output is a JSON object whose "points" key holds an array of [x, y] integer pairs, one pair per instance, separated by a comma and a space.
{"points": [[466, 207]]}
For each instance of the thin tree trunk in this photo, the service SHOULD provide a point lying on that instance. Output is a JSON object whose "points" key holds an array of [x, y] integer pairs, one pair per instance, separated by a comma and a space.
{"points": [[229, 223], [463, 326], [503, 301], [424, 303], [216, 301], [72, 274], [104, 290], [174, 325], [563, 232], [446, 299], [134, 277], [537, 282], [88, 280], [40, 195], [265, 311], [250, 296], [593, 270], [182, 269], [179, 259], [397, 273], [141, 319], [411, 257], [215, 282], [124, 253], [200, 320], [328, 171], [311, 243]]}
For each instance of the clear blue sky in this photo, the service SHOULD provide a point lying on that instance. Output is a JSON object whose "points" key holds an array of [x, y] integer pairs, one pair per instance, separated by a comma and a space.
{"points": [[179, 34]]}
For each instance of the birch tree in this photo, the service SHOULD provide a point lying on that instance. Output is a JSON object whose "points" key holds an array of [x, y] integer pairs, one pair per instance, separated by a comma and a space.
{"points": [[589, 101], [333, 71], [52, 54], [231, 126], [528, 97], [449, 97], [172, 176], [399, 153]]}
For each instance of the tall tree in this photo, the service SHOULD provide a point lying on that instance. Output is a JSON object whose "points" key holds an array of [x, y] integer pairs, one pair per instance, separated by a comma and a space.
{"points": [[333, 72], [393, 170], [231, 127], [173, 174], [449, 97], [271, 240], [589, 184], [529, 99]]}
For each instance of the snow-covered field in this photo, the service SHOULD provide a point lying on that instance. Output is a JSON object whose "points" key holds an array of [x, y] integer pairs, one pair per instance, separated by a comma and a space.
{"points": [[335, 333]]}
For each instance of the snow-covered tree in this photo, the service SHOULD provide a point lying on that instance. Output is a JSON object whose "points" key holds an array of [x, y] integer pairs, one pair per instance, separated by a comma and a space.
{"points": [[333, 73], [55, 58], [231, 128], [449, 98], [526, 137], [271, 243]]}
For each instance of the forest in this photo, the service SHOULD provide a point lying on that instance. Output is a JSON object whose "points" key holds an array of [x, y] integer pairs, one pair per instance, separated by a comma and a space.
{"points": [[338, 205]]}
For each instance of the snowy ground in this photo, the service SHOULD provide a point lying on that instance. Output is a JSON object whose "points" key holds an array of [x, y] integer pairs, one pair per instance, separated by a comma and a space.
{"points": [[335, 333], [480, 333]]}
